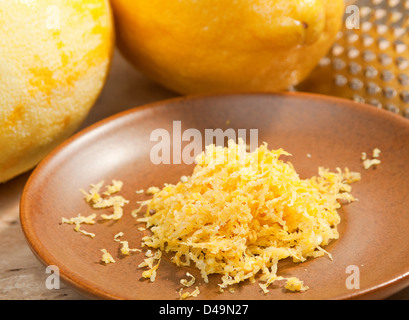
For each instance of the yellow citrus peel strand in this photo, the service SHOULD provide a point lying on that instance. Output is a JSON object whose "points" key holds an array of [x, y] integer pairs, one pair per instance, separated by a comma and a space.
{"points": [[239, 213]]}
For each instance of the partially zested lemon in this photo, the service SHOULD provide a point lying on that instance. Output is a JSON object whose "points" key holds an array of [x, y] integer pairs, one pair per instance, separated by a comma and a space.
{"points": [[54, 59]]}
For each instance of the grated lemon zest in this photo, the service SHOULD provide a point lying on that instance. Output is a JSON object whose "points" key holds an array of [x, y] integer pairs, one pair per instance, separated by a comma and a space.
{"points": [[239, 213]]}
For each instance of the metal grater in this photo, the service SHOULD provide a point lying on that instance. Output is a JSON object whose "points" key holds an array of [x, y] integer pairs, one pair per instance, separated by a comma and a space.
{"points": [[369, 64]]}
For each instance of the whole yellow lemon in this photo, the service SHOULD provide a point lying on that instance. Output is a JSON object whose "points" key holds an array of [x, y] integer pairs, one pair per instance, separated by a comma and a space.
{"points": [[54, 59], [207, 46]]}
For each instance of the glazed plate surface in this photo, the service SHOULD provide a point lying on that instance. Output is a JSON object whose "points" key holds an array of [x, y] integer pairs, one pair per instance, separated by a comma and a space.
{"points": [[316, 130]]}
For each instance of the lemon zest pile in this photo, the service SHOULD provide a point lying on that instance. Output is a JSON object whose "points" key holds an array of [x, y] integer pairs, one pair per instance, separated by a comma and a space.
{"points": [[239, 213]]}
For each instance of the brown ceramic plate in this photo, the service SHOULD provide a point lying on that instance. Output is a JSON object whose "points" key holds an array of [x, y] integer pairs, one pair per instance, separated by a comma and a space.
{"points": [[373, 232]]}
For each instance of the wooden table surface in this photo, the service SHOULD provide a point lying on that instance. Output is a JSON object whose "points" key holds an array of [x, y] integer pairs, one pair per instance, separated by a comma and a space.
{"points": [[22, 276]]}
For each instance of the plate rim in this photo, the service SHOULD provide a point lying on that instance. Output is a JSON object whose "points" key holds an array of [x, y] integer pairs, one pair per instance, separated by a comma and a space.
{"points": [[46, 257]]}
